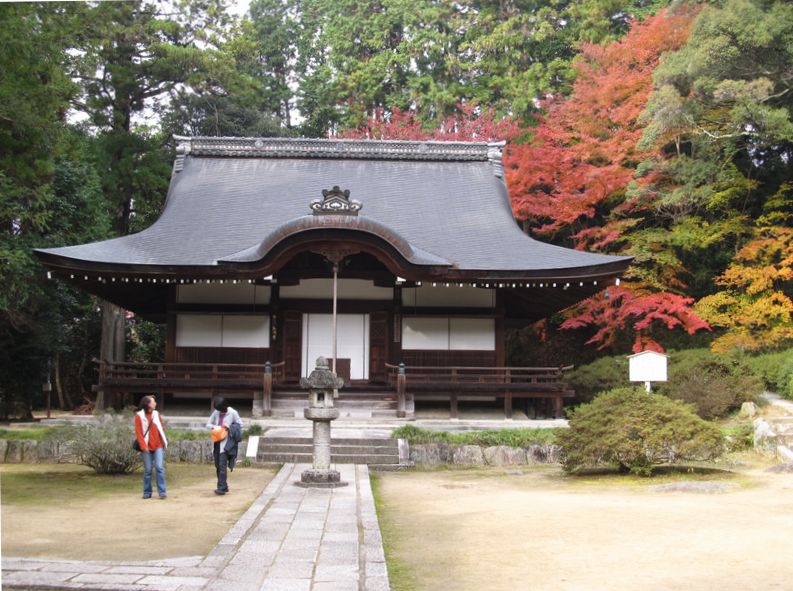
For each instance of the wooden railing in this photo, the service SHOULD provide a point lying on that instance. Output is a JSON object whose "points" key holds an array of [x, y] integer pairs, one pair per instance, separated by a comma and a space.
{"points": [[506, 382], [127, 377]]}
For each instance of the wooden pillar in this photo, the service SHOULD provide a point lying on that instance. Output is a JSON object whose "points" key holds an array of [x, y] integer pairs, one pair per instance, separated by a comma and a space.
{"points": [[453, 410], [401, 388], [508, 405], [557, 407], [501, 339]]}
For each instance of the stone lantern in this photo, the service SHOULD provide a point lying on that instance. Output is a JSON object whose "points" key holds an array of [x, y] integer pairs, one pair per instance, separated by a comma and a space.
{"points": [[321, 385]]}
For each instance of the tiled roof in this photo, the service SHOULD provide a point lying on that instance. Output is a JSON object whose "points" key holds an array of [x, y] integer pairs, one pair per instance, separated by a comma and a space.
{"points": [[230, 197]]}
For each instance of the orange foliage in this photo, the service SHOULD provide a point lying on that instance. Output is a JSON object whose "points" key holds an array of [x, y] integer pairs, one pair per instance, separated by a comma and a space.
{"points": [[584, 150]]}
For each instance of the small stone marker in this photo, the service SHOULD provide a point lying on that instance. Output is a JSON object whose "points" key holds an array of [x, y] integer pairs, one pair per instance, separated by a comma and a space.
{"points": [[321, 384]]}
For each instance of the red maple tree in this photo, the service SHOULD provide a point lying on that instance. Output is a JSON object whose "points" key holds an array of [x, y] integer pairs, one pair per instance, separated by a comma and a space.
{"points": [[583, 154], [572, 180], [470, 123], [620, 309]]}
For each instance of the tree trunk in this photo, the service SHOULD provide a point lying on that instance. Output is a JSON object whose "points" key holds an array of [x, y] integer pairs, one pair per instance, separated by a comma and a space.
{"points": [[58, 387], [112, 347]]}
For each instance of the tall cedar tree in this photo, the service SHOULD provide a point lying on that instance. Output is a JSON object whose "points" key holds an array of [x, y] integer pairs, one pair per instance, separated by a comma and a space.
{"points": [[573, 181]]}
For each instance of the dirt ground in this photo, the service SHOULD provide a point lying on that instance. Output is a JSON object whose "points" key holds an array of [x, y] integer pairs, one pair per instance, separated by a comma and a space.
{"points": [[487, 529], [535, 529], [91, 518]]}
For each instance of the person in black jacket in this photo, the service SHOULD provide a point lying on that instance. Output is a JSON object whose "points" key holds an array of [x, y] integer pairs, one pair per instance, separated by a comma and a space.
{"points": [[227, 425]]}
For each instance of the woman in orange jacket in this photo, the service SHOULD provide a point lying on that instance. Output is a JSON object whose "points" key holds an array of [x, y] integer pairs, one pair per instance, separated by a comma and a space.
{"points": [[151, 438]]}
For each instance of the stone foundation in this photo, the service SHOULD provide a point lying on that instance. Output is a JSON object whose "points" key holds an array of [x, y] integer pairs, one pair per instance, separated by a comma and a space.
{"points": [[27, 451], [435, 454]]}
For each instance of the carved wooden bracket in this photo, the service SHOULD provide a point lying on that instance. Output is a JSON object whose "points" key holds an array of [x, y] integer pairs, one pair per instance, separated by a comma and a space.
{"points": [[335, 254]]}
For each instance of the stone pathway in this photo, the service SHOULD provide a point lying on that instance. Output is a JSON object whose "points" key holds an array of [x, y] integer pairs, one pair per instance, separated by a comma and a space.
{"points": [[290, 539]]}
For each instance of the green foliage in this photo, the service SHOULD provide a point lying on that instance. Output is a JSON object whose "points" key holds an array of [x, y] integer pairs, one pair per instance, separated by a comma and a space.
{"points": [[739, 438], [104, 445], [354, 58], [776, 371], [187, 435], [714, 384], [486, 438], [603, 374], [36, 433], [253, 430], [633, 431], [146, 341], [48, 197]]}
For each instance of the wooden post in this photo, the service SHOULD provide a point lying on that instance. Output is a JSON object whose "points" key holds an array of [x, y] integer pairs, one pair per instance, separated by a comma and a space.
{"points": [[161, 391], [401, 386], [507, 405], [267, 399], [557, 407], [453, 414]]}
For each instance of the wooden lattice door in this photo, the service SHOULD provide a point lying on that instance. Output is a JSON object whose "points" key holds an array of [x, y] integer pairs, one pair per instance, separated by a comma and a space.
{"points": [[378, 346], [292, 339]]}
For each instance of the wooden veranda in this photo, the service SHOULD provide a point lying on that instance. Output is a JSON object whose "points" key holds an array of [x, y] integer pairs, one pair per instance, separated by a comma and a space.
{"points": [[538, 386]]}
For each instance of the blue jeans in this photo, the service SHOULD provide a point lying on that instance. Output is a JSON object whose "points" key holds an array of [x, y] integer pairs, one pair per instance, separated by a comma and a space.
{"points": [[159, 467]]}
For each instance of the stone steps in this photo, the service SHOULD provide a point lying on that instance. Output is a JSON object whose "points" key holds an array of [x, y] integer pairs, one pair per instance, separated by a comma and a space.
{"points": [[375, 452], [356, 405]]}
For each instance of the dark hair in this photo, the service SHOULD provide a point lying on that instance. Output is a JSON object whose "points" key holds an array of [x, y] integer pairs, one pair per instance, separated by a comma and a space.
{"points": [[220, 404], [144, 402]]}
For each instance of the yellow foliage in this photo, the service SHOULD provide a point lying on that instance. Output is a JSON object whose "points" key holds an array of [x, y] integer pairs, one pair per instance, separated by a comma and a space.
{"points": [[753, 307]]}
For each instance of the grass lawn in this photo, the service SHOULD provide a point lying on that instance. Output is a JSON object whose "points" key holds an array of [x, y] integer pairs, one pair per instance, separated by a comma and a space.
{"points": [[69, 512]]}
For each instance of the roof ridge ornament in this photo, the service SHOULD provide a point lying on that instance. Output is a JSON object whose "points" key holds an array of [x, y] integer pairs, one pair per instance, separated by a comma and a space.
{"points": [[335, 202], [183, 147], [408, 150], [495, 156]]}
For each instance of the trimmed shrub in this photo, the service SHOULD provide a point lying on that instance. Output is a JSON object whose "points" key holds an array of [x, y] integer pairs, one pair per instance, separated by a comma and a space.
{"points": [[633, 431], [714, 384], [599, 376], [105, 445], [776, 371]]}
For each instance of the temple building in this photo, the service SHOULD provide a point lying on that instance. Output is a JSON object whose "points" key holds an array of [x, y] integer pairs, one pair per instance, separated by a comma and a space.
{"points": [[370, 253]]}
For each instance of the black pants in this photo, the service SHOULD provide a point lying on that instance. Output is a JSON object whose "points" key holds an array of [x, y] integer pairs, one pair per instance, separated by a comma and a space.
{"points": [[221, 467]]}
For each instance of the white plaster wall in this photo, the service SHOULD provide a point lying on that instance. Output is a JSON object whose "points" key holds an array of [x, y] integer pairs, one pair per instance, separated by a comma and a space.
{"points": [[222, 330], [198, 330], [223, 293], [472, 334], [348, 289], [246, 331], [448, 334], [352, 341], [452, 296], [425, 333]]}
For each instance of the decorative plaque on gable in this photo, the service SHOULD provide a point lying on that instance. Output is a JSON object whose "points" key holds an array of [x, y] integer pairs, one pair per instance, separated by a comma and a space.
{"points": [[335, 201]]}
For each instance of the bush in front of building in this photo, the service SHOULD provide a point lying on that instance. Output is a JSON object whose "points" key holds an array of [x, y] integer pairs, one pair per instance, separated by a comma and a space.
{"points": [[714, 384], [599, 376], [484, 438], [104, 445], [632, 431]]}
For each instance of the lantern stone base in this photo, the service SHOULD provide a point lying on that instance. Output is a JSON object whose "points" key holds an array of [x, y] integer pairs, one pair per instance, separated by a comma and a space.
{"points": [[320, 479]]}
